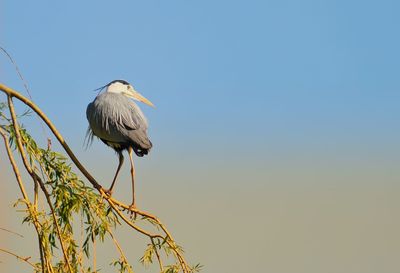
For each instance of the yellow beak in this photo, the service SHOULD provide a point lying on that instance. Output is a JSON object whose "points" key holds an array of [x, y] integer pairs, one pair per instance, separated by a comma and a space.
{"points": [[137, 96]]}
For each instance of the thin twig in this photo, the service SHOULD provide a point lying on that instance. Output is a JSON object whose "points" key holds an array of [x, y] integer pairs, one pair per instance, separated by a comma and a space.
{"points": [[126, 220], [43, 259], [35, 195], [25, 86], [157, 255], [13, 232], [35, 177], [18, 71], [119, 249], [80, 255], [26, 259], [142, 213], [47, 195], [94, 254], [25, 196], [59, 137], [14, 166]]}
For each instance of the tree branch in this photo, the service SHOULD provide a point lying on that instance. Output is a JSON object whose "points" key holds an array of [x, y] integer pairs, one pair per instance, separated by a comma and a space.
{"points": [[25, 196], [115, 204], [26, 260], [35, 177]]}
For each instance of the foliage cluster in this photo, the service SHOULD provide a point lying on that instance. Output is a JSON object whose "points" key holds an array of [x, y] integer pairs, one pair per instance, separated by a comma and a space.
{"points": [[70, 217]]}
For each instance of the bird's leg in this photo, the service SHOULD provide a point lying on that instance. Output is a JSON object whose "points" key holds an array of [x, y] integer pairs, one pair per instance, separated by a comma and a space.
{"points": [[130, 150], [121, 160]]}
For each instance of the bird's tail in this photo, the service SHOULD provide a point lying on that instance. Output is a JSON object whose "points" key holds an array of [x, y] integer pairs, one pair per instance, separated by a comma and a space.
{"points": [[142, 149]]}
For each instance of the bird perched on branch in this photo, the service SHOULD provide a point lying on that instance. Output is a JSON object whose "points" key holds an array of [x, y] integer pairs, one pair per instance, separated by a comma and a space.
{"points": [[117, 121]]}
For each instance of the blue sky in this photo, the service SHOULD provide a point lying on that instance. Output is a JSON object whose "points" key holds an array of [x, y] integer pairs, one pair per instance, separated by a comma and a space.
{"points": [[252, 97], [217, 61], [242, 70]]}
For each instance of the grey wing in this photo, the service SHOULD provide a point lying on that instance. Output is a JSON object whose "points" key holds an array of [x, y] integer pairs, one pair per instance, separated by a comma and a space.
{"points": [[117, 119], [140, 139], [136, 127]]}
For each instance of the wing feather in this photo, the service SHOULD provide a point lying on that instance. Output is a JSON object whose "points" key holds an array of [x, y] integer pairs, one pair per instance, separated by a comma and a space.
{"points": [[116, 118]]}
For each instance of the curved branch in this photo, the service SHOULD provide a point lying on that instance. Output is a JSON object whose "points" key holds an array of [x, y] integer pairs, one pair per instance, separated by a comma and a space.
{"points": [[126, 220], [25, 196], [14, 166], [59, 137], [35, 177], [112, 202]]}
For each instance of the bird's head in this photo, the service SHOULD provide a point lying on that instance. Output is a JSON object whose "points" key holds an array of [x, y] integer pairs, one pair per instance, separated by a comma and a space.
{"points": [[126, 89]]}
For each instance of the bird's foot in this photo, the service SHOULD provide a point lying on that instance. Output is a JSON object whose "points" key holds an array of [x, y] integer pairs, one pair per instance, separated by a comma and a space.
{"points": [[132, 210], [108, 192]]}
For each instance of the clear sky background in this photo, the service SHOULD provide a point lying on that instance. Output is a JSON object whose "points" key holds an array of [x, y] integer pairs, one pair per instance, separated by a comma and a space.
{"points": [[276, 132]]}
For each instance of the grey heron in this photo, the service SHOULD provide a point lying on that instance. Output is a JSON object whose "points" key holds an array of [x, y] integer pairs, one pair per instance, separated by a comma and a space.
{"points": [[118, 122]]}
